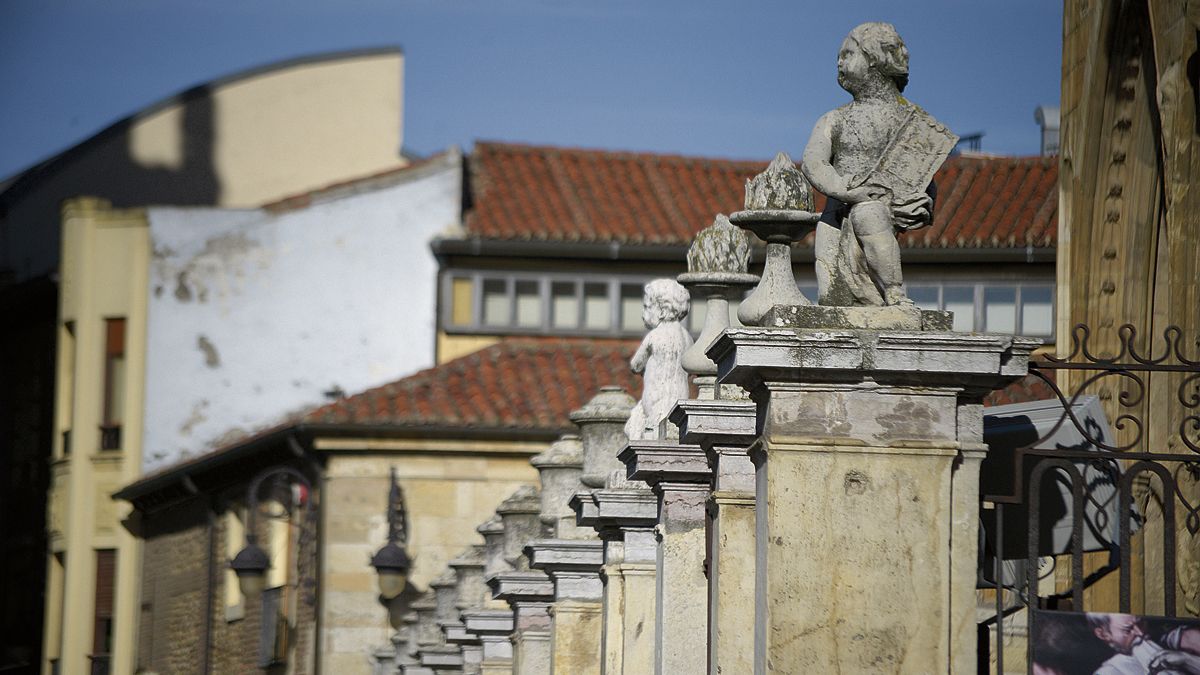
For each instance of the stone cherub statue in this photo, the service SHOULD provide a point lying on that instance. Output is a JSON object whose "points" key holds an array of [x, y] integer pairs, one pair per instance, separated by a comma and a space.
{"points": [[874, 158], [660, 357]]}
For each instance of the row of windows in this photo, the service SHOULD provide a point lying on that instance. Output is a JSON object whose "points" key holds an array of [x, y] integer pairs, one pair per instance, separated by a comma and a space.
{"points": [[498, 302]]}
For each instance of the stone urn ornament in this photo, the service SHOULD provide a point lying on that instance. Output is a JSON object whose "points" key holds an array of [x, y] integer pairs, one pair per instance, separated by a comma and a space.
{"points": [[778, 211], [717, 262]]}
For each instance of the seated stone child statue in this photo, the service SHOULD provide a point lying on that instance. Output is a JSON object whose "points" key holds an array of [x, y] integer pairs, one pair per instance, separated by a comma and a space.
{"points": [[660, 357], [873, 158]]}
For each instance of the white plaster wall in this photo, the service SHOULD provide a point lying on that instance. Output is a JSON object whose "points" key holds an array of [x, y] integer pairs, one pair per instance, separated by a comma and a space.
{"points": [[253, 315]]}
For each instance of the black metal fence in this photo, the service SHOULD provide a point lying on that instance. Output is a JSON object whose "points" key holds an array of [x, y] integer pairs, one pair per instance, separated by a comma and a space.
{"points": [[1121, 498]]}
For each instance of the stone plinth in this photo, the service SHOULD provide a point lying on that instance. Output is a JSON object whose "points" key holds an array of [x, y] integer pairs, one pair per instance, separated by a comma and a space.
{"points": [[894, 317], [529, 593], [680, 477], [867, 492], [576, 615], [625, 519], [725, 430], [468, 643], [493, 627]]}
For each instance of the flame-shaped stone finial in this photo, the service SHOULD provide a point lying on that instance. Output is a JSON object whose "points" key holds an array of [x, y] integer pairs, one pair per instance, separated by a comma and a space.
{"points": [[780, 187], [720, 247]]}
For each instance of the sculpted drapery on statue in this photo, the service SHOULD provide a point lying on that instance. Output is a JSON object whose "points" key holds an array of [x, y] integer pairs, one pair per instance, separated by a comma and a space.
{"points": [[874, 158]]}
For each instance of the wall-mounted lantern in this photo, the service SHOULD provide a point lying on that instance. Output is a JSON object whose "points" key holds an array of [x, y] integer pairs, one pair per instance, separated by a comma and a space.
{"points": [[392, 562], [252, 562]]}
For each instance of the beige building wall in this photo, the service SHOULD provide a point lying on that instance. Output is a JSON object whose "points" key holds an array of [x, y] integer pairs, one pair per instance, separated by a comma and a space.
{"points": [[450, 488], [104, 276], [242, 141]]}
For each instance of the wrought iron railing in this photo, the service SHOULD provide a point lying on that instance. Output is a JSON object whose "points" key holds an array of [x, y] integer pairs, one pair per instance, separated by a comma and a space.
{"points": [[1102, 489]]}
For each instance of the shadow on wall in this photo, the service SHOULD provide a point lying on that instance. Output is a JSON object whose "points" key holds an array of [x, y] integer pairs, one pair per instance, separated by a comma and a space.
{"points": [[105, 166]]}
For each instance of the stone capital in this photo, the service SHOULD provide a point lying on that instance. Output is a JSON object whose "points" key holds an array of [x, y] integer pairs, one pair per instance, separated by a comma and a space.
{"points": [[612, 511]]}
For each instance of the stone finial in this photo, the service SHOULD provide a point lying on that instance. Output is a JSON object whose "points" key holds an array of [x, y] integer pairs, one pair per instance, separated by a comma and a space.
{"points": [[660, 357], [720, 247], [468, 571], [559, 469], [601, 421], [445, 592], [521, 515], [493, 543], [781, 187]]}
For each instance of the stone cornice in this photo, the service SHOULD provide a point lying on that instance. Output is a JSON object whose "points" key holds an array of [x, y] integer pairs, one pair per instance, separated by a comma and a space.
{"points": [[488, 621], [751, 357], [554, 555], [523, 586], [709, 422], [666, 461]]}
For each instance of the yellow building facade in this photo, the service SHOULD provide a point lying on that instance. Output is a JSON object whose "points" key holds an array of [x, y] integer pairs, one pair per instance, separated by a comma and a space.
{"points": [[91, 605]]}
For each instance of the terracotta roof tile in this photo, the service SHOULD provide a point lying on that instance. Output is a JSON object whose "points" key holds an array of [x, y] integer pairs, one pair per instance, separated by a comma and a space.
{"points": [[518, 383], [529, 192]]}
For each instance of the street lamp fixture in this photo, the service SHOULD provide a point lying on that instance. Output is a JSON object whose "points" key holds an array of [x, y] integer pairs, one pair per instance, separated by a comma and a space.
{"points": [[392, 562], [251, 563]]}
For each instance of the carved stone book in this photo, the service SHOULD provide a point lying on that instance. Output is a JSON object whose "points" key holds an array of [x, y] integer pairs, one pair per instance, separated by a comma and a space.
{"points": [[913, 155]]}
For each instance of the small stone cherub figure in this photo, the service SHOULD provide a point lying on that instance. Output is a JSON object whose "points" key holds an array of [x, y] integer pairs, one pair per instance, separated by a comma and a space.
{"points": [[660, 357], [873, 158]]}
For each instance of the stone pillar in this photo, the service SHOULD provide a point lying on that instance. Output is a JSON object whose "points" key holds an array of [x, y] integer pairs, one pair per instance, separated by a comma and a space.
{"points": [[725, 429], [574, 567], [680, 477], [529, 593], [493, 628], [625, 517], [520, 515], [866, 488]]}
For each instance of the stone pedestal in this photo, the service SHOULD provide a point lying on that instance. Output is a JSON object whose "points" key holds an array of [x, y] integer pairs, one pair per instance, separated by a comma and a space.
{"points": [[680, 477], [576, 615], [725, 430], [529, 593], [625, 518], [493, 627], [867, 492]]}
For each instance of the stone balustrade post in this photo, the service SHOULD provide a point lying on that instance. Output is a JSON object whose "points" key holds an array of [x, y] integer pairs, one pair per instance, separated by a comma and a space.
{"points": [[866, 486], [725, 429], [680, 477]]}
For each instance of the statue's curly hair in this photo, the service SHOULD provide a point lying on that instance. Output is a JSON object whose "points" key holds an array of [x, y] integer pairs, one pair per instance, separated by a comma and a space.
{"points": [[668, 298], [884, 50]]}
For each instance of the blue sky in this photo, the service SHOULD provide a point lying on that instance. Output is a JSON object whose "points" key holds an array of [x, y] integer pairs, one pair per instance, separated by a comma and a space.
{"points": [[720, 79]]}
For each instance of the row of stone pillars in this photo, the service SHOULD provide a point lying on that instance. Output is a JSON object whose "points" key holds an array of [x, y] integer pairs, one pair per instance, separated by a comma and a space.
{"points": [[813, 509], [831, 518]]}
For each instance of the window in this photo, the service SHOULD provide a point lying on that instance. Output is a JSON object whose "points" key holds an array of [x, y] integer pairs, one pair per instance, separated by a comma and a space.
{"points": [[631, 308], [102, 631], [67, 403], [114, 384], [995, 307], [556, 303], [564, 305]]}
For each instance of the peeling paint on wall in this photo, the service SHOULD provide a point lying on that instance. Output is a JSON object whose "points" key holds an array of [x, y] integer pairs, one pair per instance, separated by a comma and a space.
{"points": [[280, 304]]}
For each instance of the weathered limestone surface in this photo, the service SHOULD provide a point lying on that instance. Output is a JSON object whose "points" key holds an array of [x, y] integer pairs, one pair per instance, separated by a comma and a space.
{"points": [[560, 468], [866, 491], [894, 317]]}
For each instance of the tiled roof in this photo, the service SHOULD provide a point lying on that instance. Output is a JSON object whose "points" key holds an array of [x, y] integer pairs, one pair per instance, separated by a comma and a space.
{"points": [[526, 192], [518, 383]]}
